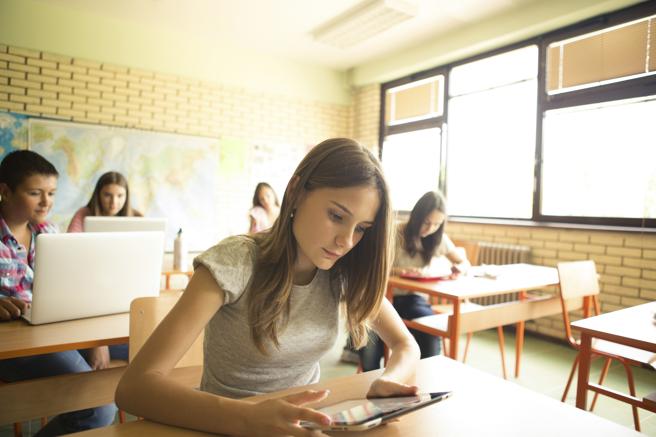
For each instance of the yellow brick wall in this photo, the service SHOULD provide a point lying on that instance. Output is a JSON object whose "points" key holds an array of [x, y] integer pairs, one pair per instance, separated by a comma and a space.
{"points": [[54, 86], [365, 115], [626, 261]]}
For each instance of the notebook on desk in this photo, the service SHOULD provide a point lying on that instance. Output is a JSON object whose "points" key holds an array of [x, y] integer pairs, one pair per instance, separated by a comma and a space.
{"points": [[123, 224], [91, 274]]}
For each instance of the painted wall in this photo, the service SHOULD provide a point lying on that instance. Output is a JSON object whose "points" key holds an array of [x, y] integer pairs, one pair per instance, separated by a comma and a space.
{"points": [[56, 28]]}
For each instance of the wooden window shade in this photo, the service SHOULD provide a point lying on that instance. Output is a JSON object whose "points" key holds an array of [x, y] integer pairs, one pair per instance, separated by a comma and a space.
{"points": [[415, 101], [652, 44], [608, 55]]}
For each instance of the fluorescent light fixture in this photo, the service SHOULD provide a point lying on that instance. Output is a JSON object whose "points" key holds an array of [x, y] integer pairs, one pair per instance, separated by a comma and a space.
{"points": [[364, 20]]}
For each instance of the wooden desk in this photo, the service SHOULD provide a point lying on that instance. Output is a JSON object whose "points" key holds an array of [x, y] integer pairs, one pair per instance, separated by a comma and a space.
{"points": [[633, 327], [481, 405], [510, 278], [20, 339], [25, 400], [168, 273]]}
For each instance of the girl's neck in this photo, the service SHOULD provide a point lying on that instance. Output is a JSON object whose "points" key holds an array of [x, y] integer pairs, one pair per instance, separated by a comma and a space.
{"points": [[304, 270]]}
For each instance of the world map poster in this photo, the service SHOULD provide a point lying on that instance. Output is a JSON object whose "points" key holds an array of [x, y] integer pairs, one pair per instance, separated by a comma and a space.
{"points": [[172, 176]]}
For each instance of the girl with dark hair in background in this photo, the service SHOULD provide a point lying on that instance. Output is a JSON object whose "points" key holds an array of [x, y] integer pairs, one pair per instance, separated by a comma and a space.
{"points": [[421, 247]]}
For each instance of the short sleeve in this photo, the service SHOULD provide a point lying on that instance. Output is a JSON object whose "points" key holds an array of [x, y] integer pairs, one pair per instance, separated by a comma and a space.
{"points": [[231, 264], [77, 222]]}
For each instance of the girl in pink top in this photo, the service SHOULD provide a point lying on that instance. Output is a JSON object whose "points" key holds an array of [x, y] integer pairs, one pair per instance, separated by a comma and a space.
{"points": [[265, 210], [111, 197]]}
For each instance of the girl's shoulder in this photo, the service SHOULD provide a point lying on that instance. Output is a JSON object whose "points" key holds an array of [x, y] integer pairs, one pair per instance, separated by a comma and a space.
{"points": [[235, 247], [83, 212], [231, 264], [257, 212]]}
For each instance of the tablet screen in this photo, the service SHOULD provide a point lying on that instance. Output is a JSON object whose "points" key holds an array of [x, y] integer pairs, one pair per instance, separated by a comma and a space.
{"points": [[357, 411]]}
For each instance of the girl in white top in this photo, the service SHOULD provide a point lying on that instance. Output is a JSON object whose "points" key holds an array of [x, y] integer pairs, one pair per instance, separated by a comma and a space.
{"points": [[422, 245], [265, 210], [269, 303]]}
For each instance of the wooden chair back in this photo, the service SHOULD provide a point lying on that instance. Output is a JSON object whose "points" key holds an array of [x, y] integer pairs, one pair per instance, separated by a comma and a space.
{"points": [[146, 313], [578, 279], [471, 248]]}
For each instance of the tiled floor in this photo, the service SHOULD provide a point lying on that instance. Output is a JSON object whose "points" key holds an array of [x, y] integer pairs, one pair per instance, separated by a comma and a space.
{"points": [[545, 366]]}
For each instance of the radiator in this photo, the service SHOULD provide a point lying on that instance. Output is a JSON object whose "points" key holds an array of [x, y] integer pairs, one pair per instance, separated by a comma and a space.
{"points": [[496, 254]]}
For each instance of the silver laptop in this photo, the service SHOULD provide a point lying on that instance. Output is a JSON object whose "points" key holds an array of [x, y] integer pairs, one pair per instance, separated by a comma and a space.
{"points": [[123, 224], [91, 274]]}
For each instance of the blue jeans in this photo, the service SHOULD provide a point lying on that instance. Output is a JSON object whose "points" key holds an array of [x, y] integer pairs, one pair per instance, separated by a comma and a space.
{"points": [[61, 363], [409, 306]]}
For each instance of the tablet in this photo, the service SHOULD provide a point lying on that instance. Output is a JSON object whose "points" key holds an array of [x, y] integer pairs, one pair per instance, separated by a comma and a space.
{"points": [[361, 414]]}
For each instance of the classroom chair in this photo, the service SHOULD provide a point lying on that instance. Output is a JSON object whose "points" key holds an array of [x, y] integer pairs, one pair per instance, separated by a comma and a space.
{"points": [[145, 314], [471, 250], [579, 279]]}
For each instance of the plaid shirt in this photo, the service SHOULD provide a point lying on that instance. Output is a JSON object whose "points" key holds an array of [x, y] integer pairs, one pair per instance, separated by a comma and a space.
{"points": [[16, 263]]}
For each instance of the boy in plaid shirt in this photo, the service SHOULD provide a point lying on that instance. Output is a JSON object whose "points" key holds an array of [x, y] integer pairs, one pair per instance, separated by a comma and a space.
{"points": [[27, 188]]}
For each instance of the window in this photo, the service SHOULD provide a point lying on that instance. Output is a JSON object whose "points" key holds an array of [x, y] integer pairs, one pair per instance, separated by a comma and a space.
{"points": [[597, 144], [556, 129], [419, 100], [491, 135], [412, 140], [618, 53], [600, 160], [411, 162]]}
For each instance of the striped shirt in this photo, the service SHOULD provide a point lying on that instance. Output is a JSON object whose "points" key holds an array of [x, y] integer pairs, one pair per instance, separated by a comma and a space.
{"points": [[17, 263]]}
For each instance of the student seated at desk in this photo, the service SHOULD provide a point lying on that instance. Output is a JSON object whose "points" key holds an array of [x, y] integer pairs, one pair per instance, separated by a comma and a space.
{"points": [[265, 210], [270, 302], [111, 197], [27, 185], [421, 247]]}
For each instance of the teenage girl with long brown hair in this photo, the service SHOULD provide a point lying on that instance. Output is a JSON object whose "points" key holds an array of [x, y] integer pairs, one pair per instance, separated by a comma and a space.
{"points": [[269, 304]]}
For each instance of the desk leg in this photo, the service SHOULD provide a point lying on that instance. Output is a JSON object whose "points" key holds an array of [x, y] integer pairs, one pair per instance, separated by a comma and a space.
{"points": [[454, 330], [585, 354], [519, 339], [167, 283]]}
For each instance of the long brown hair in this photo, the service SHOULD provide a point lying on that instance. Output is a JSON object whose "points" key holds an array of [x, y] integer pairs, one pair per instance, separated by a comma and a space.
{"points": [[256, 194], [109, 178], [360, 275], [429, 202]]}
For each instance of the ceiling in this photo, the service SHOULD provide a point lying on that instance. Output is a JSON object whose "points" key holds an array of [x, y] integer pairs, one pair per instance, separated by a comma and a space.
{"points": [[282, 27]]}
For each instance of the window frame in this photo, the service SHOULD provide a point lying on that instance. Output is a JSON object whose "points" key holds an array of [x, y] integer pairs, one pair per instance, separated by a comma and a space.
{"points": [[433, 122], [621, 90]]}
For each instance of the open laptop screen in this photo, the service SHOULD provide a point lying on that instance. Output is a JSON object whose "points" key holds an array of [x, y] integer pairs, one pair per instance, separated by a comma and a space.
{"points": [[123, 224], [89, 274]]}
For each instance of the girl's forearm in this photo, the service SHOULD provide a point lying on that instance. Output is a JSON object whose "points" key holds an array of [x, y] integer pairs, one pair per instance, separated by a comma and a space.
{"points": [[402, 362], [158, 398]]}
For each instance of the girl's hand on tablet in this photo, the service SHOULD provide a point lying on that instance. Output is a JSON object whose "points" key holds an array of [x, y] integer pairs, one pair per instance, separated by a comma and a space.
{"points": [[385, 388], [281, 416]]}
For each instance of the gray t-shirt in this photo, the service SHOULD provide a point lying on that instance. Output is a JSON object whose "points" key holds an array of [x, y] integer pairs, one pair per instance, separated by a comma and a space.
{"points": [[233, 366]]}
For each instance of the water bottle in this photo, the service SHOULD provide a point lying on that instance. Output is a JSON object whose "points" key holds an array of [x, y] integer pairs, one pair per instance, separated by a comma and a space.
{"points": [[180, 253]]}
